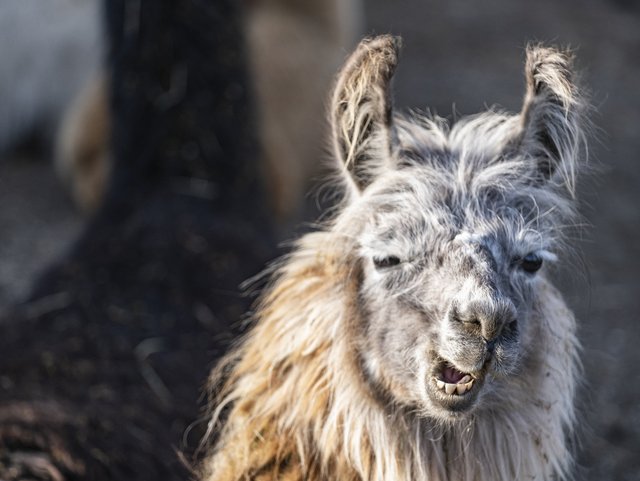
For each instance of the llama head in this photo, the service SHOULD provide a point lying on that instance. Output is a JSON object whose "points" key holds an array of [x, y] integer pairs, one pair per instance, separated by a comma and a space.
{"points": [[448, 229]]}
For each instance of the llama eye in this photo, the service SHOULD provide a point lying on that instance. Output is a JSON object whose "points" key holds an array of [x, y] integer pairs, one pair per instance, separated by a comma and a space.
{"points": [[385, 262], [531, 263]]}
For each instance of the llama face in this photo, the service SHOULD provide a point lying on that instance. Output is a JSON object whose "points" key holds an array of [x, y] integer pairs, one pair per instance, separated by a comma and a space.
{"points": [[446, 292], [451, 226]]}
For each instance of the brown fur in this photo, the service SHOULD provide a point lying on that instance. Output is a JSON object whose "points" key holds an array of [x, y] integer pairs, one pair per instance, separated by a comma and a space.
{"points": [[82, 157], [295, 374]]}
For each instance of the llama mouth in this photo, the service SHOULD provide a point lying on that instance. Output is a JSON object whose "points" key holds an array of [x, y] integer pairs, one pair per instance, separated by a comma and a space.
{"points": [[452, 381]]}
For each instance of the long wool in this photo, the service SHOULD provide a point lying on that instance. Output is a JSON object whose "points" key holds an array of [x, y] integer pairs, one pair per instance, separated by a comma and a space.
{"points": [[292, 402], [299, 409]]}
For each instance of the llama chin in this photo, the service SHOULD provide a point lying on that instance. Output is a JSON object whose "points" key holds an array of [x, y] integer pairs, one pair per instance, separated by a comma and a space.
{"points": [[417, 336]]}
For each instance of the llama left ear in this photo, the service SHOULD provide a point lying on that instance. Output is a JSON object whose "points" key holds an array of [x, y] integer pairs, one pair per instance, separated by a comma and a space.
{"points": [[361, 109], [552, 115]]}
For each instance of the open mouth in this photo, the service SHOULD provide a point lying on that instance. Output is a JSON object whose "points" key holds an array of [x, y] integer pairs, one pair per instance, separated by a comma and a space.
{"points": [[453, 382], [453, 390]]}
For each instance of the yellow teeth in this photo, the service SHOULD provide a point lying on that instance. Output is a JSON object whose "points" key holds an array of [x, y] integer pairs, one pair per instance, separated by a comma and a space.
{"points": [[465, 384]]}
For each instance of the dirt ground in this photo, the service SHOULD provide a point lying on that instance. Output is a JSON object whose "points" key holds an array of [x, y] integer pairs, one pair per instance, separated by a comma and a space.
{"points": [[461, 56]]}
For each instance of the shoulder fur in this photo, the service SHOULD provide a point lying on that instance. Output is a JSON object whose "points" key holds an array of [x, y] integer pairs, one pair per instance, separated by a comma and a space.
{"points": [[296, 408]]}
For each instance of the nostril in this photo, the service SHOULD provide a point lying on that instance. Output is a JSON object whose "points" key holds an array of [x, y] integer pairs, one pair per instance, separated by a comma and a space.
{"points": [[463, 318], [491, 344], [513, 325]]}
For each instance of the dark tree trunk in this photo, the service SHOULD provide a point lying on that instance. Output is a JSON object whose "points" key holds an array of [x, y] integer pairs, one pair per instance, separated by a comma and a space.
{"points": [[101, 370]]}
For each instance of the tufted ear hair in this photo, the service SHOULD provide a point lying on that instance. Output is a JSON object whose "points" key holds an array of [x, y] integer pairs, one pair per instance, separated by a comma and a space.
{"points": [[361, 110], [552, 114]]}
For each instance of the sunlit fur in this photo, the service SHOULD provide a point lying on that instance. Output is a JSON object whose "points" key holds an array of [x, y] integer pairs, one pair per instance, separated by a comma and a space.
{"points": [[332, 381]]}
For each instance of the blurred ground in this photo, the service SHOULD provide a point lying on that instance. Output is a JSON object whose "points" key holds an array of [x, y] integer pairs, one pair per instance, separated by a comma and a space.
{"points": [[470, 54], [37, 220]]}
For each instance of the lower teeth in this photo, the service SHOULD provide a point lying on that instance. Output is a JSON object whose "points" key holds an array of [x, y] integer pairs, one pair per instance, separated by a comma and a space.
{"points": [[465, 384]]}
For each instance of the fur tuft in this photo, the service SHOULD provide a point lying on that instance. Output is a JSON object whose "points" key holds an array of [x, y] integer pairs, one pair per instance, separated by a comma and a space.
{"points": [[362, 106], [553, 115]]}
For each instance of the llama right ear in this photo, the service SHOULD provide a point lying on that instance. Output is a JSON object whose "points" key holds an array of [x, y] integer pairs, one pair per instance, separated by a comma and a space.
{"points": [[361, 109], [552, 115]]}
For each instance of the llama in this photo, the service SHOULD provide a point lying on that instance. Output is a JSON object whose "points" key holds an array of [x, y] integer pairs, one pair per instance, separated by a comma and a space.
{"points": [[417, 336], [289, 84]]}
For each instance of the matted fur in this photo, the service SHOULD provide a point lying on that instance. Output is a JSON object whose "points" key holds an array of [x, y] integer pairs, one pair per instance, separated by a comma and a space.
{"points": [[330, 382]]}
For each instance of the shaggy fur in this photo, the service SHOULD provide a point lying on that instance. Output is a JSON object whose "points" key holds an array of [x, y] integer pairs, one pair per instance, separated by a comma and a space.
{"points": [[426, 268]]}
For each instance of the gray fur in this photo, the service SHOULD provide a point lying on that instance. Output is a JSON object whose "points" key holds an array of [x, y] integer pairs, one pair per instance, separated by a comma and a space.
{"points": [[460, 206]]}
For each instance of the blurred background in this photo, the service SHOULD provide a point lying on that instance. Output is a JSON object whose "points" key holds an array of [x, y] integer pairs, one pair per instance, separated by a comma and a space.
{"points": [[459, 57]]}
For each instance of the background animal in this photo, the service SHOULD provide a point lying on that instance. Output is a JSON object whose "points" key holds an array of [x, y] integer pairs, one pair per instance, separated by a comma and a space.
{"points": [[418, 336], [294, 48], [53, 86], [102, 364]]}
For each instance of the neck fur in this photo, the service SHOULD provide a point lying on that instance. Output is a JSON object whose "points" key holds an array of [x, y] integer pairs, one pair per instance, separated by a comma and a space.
{"points": [[296, 406]]}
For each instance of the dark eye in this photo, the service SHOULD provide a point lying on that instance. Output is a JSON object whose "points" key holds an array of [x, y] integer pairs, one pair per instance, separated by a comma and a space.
{"points": [[531, 263], [385, 262]]}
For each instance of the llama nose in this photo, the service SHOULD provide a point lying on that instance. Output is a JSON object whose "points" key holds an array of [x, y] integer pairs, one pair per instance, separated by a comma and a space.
{"points": [[485, 317]]}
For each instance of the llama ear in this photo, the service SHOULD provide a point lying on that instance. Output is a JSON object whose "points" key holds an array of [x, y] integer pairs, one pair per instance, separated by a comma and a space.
{"points": [[361, 109], [552, 114]]}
